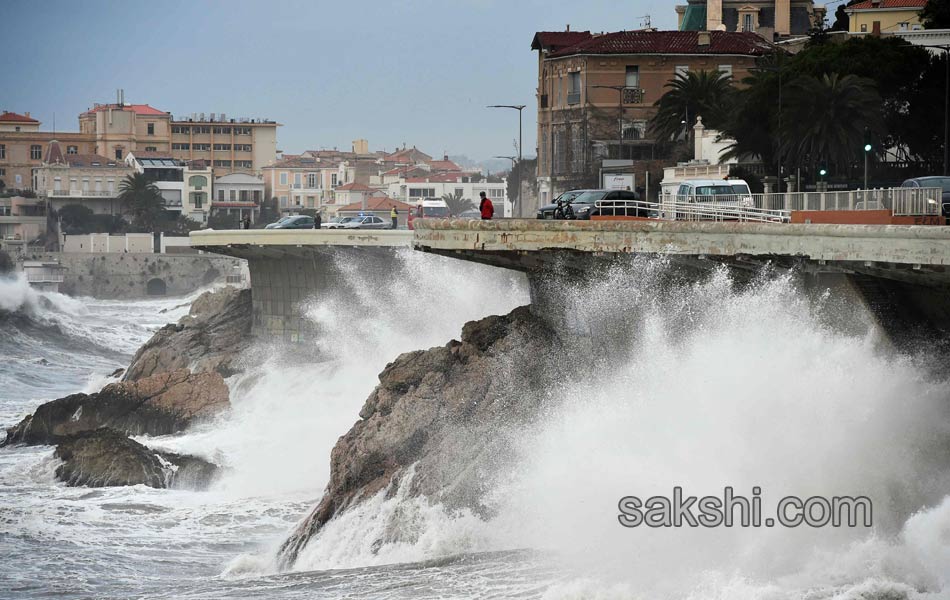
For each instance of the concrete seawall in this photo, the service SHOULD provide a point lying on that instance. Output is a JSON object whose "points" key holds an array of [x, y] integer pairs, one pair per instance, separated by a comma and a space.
{"points": [[118, 276]]}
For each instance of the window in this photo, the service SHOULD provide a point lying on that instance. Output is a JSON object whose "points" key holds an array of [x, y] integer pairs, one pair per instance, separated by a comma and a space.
{"points": [[57, 183], [283, 178], [98, 184], [151, 149], [748, 23], [85, 184], [244, 196], [313, 180], [200, 130], [864, 27], [221, 130], [184, 146], [118, 153], [421, 192], [333, 180], [633, 76], [3, 151], [681, 70], [222, 163], [496, 193], [201, 147], [197, 181], [459, 191], [297, 178], [242, 147], [110, 184], [283, 201], [36, 152], [573, 88], [219, 147], [17, 128], [232, 195], [72, 150], [244, 164], [725, 71], [220, 195], [151, 128], [180, 129], [242, 131], [197, 199]]}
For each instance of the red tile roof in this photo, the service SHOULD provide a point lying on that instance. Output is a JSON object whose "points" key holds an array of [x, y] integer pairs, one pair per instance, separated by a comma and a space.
{"points": [[355, 187], [139, 109], [866, 5], [669, 42], [555, 40], [444, 165], [376, 203], [12, 117]]}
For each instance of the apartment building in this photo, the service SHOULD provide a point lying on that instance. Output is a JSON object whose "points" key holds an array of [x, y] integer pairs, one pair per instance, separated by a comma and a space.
{"points": [[305, 183], [885, 16], [596, 93], [120, 128], [412, 190], [23, 146], [239, 194], [185, 186], [241, 145], [91, 180]]}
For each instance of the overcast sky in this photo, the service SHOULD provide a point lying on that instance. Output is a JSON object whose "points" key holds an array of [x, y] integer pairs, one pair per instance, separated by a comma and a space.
{"points": [[418, 72]]}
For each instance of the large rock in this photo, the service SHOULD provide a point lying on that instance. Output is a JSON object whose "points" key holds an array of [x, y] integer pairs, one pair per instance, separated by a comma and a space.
{"points": [[207, 339], [157, 405], [105, 457], [450, 411]]}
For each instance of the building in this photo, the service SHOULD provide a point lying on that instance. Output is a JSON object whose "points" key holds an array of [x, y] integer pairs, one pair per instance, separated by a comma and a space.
{"points": [[199, 178], [229, 145], [184, 189], [23, 146], [305, 183], [885, 16], [581, 124], [90, 180], [412, 190], [771, 19], [379, 206], [240, 194], [22, 221], [352, 193]]}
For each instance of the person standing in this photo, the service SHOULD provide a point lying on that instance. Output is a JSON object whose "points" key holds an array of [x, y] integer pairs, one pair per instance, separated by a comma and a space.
{"points": [[486, 207], [317, 220], [246, 223], [394, 215]]}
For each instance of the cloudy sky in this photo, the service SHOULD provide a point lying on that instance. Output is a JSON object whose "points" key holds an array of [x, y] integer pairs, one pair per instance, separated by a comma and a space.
{"points": [[418, 72]]}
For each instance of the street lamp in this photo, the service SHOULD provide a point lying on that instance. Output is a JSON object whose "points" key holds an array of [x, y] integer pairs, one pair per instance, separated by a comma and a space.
{"points": [[778, 133], [519, 108], [619, 89]]}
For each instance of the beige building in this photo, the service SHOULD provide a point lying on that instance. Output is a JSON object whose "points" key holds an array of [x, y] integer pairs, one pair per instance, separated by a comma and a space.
{"points": [[87, 179], [771, 19], [305, 183], [23, 147], [22, 220], [885, 16], [122, 128], [229, 145]]}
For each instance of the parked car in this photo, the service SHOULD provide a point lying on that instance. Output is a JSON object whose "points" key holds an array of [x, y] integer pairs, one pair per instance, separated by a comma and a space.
{"points": [[547, 211], [294, 222], [584, 204], [276, 223], [337, 222], [717, 192], [364, 222], [933, 181], [471, 213]]}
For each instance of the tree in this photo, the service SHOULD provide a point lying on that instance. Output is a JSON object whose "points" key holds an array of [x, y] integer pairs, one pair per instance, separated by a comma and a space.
{"points": [[77, 219], [826, 119], [222, 220], [457, 204], [704, 93], [6, 263], [523, 171], [935, 14], [141, 199]]}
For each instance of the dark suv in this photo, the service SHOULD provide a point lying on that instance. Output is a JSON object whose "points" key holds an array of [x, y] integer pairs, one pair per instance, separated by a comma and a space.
{"points": [[614, 203]]}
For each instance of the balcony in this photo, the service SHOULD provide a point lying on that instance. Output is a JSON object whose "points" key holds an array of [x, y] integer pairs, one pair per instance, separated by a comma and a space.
{"points": [[80, 194]]}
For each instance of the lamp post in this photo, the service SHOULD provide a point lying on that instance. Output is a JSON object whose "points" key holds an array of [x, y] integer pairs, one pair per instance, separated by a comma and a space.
{"points": [[519, 108], [778, 133], [619, 89]]}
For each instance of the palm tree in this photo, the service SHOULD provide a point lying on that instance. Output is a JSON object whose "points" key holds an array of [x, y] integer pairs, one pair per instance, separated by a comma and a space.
{"points": [[827, 119], [704, 93], [457, 205], [141, 199]]}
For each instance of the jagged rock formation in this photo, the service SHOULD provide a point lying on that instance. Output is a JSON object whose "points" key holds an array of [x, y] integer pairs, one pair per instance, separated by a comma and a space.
{"points": [[105, 457], [208, 339], [447, 410], [157, 405]]}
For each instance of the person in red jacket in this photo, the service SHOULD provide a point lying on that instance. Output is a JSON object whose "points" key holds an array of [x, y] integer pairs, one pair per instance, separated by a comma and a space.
{"points": [[486, 207]]}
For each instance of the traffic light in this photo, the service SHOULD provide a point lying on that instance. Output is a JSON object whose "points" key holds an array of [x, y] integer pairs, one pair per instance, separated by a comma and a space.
{"points": [[822, 170], [867, 140]]}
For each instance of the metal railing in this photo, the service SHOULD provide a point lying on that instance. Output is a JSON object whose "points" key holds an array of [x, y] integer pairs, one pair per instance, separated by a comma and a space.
{"points": [[900, 201], [45, 277], [80, 194], [690, 211]]}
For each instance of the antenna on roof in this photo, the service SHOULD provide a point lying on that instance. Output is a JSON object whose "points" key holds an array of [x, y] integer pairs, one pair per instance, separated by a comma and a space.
{"points": [[645, 22]]}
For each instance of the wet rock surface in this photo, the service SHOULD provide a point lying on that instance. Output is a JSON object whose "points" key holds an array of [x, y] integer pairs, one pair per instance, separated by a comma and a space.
{"points": [[208, 339], [157, 405], [449, 412], [106, 457]]}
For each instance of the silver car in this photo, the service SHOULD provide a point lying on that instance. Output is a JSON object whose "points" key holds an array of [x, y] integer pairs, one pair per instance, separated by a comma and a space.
{"points": [[364, 222]]}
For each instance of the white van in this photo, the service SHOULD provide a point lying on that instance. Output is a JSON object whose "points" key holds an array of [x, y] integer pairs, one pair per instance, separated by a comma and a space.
{"points": [[714, 192]]}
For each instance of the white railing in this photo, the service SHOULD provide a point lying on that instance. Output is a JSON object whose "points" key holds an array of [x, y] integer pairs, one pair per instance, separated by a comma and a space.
{"points": [[900, 201], [690, 211], [80, 194], [44, 277]]}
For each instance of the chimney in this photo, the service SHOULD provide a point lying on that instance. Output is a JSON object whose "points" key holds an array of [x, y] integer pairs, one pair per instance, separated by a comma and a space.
{"points": [[568, 27], [27, 114], [445, 157], [702, 38]]}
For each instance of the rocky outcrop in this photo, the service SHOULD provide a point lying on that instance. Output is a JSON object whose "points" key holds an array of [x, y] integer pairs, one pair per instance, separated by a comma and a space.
{"points": [[105, 457], [449, 412], [157, 405], [208, 339]]}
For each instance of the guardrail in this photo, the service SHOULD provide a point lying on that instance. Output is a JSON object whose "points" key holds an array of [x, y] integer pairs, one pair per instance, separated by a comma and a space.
{"points": [[901, 201], [691, 211]]}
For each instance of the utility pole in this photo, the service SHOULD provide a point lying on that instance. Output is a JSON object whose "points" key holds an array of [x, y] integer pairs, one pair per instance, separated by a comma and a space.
{"points": [[519, 108]]}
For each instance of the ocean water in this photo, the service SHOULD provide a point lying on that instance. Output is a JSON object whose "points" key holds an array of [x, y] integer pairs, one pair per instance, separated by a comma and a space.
{"points": [[718, 385]]}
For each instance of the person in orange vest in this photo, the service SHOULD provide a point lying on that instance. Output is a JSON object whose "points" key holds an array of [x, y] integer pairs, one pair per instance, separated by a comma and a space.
{"points": [[486, 207]]}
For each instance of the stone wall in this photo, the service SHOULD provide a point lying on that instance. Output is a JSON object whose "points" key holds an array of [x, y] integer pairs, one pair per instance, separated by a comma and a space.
{"points": [[117, 276]]}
